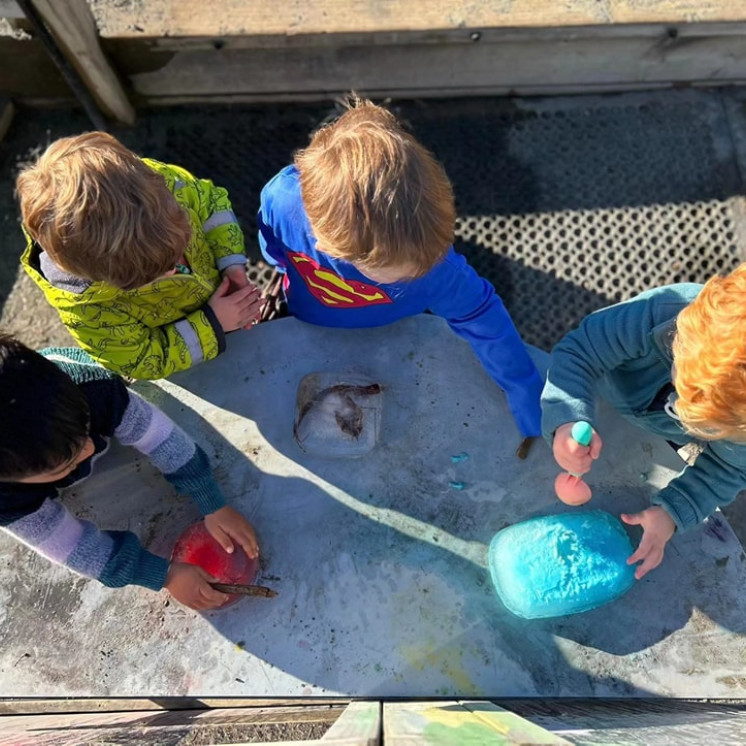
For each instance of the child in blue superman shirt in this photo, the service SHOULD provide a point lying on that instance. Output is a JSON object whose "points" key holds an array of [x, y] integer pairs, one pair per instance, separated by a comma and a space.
{"points": [[362, 227]]}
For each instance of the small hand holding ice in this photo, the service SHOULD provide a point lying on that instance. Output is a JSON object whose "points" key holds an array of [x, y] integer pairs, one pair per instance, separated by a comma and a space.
{"points": [[570, 488]]}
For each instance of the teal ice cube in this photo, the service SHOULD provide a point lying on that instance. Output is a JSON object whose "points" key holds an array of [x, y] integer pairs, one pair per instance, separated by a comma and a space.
{"points": [[563, 564]]}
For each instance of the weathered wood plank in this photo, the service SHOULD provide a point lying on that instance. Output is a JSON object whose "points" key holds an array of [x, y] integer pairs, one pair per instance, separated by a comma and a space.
{"points": [[53, 706], [483, 723], [163, 728], [174, 18], [358, 725], [127, 704], [73, 27], [639, 723], [7, 112], [447, 69]]}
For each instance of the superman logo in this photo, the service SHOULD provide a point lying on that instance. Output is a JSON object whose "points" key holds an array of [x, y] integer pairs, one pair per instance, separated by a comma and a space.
{"points": [[333, 290]]}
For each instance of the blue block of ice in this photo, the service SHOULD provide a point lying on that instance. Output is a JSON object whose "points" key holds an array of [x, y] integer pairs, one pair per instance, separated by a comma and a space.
{"points": [[563, 564]]}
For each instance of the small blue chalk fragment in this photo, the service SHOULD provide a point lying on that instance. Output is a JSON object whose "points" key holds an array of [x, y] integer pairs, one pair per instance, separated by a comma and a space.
{"points": [[459, 457], [558, 565], [456, 485]]}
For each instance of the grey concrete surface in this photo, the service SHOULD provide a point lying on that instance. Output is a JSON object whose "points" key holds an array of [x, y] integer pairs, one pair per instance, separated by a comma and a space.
{"points": [[379, 562]]}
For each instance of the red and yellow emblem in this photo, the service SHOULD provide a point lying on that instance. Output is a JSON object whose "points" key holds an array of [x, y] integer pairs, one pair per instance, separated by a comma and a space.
{"points": [[333, 290]]}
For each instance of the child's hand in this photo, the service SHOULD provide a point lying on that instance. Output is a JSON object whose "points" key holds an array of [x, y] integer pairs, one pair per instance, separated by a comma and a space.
{"points": [[658, 528], [570, 455], [237, 276], [190, 585], [236, 310], [228, 525]]}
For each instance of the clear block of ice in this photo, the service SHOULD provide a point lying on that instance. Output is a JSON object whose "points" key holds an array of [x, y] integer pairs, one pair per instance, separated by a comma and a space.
{"points": [[337, 415]]}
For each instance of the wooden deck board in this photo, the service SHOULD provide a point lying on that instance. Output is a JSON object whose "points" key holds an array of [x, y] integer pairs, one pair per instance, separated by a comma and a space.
{"points": [[195, 18]]}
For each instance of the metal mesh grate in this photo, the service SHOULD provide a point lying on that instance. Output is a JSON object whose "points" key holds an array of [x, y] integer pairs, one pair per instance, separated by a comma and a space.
{"points": [[560, 266], [565, 204]]}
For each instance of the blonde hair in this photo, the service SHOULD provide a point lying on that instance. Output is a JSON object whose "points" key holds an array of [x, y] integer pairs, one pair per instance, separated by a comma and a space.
{"points": [[101, 213], [373, 195], [710, 360]]}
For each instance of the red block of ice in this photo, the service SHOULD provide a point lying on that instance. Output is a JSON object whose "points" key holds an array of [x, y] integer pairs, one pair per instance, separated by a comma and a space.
{"points": [[197, 547]]}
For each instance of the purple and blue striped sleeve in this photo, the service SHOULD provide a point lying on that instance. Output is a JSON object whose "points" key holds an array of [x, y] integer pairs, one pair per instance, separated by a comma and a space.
{"points": [[183, 463]]}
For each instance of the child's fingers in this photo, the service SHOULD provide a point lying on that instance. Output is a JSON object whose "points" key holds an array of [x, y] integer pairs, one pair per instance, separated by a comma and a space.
{"points": [[649, 563], [596, 446], [224, 287], [238, 276], [643, 550], [253, 308], [212, 598], [247, 539], [223, 538], [632, 519], [207, 593], [247, 293], [246, 304]]}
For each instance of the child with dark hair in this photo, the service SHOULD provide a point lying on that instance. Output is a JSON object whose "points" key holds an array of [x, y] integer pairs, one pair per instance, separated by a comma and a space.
{"points": [[63, 408]]}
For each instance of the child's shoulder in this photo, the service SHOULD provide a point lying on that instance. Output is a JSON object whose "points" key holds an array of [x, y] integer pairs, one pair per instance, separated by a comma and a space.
{"points": [[78, 364], [681, 292], [284, 186], [175, 177], [282, 202]]}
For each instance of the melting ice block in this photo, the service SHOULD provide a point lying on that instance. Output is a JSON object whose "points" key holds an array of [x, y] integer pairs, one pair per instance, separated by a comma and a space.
{"points": [[557, 565], [337, 415], [197, 547]]}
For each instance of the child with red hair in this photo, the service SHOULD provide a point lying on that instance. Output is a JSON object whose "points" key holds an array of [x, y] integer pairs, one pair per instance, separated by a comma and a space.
{"points": [[673, 362]]}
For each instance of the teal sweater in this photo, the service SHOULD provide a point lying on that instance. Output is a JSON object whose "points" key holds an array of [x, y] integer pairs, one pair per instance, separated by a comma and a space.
{"points": [[624, 354]]}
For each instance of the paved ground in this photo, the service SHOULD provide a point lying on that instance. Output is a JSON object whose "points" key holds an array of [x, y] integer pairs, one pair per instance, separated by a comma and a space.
{"points": [[565, 204]]}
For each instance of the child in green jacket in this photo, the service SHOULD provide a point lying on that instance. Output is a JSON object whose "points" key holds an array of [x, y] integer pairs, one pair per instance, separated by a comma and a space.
{"points": [[144, 263]]}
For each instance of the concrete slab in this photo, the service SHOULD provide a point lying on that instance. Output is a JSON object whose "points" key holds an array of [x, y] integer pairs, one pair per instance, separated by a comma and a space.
{"points": [[380, 563]]}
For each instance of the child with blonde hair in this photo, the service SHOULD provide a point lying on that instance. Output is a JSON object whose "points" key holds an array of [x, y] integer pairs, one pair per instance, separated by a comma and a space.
{"points": [[362, 226], [673, 362], [144, 263]]}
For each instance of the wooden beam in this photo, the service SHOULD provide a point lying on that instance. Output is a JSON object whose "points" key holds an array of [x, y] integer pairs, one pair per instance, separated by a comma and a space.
{"points": [[69, 705], [358, 725], [184, 18], [171, 727], [520, 66], [414, 723], [7, 112], [74, 28]]}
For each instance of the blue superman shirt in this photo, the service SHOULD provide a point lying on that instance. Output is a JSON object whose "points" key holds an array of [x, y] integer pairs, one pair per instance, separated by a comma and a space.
{"points": [[331, 292]]}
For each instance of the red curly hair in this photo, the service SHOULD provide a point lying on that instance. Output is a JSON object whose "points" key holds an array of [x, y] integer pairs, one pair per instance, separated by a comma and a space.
{"points": [[710, 360]]}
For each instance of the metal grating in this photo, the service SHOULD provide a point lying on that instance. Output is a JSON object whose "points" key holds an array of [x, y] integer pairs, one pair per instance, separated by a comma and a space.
{"points": [[565, 204], [558, 267]]}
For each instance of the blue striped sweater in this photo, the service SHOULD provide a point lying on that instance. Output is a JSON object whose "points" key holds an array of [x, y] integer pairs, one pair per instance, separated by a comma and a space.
{"points": [[32, 513]]}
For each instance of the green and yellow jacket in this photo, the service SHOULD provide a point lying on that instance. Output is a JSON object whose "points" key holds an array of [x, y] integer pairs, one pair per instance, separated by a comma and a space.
{"points": [[165, 326]]}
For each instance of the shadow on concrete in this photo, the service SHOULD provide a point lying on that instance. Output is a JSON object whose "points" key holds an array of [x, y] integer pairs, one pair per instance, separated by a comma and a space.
{"points": [[551, 672]]}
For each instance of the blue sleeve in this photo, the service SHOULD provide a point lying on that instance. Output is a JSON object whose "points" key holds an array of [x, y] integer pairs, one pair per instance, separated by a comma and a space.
{"points": [[280, 201], [603, 341], [476, 313], [714, 480], [273, 250]]}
